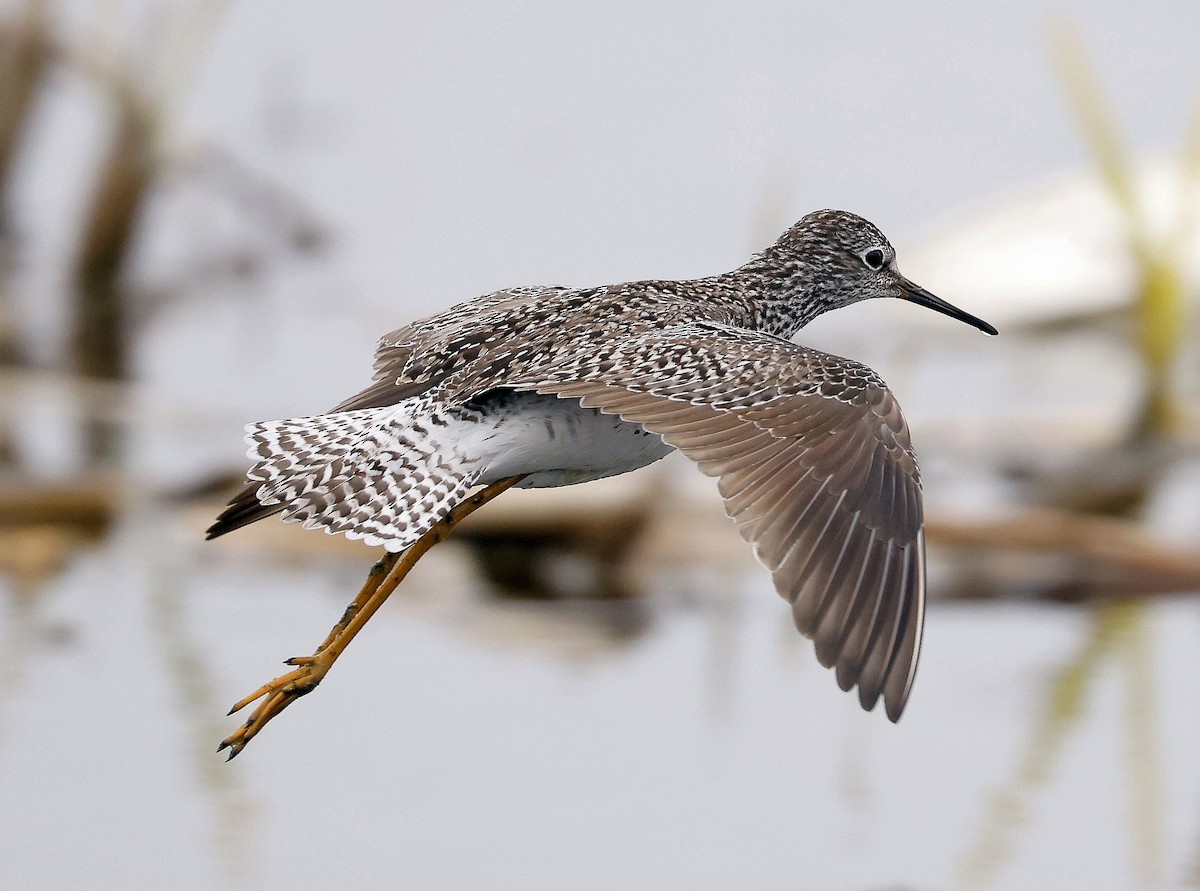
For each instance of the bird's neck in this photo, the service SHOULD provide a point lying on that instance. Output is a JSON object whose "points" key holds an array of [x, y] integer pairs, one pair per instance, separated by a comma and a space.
{"points": [[779, 293]]}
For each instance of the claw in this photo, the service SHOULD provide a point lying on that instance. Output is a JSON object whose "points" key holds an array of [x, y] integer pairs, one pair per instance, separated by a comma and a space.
{"points": [[235, 749], [279, 683], [279, 693]]}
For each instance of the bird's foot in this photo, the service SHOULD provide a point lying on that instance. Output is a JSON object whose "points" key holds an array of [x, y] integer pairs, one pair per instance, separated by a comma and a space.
{"points": [[277, 695], [385, 576]]}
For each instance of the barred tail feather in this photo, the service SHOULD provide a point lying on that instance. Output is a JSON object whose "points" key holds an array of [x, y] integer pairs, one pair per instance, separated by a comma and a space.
{"points": [[383, 475], [244, 508]]}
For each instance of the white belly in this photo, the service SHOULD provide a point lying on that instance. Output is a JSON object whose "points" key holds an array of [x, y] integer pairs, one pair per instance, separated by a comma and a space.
{"points": [[554, 440]]}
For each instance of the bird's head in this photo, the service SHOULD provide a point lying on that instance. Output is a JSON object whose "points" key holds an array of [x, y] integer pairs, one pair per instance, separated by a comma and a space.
{"points": [[834, 258]]}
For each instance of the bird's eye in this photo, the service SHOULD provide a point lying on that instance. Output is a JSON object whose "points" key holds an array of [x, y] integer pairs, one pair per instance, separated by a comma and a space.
{"points": [[874, 258]]}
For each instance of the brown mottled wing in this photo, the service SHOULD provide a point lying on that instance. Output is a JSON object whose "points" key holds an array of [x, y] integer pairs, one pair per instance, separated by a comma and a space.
{"points": [[815, 466], [412, 359]]}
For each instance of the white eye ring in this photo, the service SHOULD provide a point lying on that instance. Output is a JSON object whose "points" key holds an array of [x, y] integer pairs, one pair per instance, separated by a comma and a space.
{"points": [[874, 258]]}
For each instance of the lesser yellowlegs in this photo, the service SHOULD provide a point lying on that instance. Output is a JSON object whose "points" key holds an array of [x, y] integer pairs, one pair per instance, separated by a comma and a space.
{"points": [[549, 386]]}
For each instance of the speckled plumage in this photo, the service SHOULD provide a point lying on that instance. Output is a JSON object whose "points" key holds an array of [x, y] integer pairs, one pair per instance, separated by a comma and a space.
{"points": [[811, 452]]}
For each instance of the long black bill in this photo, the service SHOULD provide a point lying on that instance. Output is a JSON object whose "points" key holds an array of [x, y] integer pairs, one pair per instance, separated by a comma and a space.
{"points": [[921, 297]]}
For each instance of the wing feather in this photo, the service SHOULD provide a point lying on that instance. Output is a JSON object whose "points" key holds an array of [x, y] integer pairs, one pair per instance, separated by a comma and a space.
{"points": [[814, 464]]}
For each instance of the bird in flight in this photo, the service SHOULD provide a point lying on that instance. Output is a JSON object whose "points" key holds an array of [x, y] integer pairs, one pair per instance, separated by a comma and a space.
{"points": [[552, 386]]}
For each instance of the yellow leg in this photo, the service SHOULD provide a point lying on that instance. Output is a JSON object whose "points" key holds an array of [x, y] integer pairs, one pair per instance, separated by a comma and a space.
{"points": [[385, 576], [378, 573]]}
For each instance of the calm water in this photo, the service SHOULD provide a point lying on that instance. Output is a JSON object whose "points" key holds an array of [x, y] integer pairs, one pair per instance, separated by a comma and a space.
{"points": [[464, 743]]}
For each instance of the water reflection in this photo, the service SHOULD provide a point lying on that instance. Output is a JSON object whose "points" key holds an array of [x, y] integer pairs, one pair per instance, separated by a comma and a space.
{"points": [[709, 749], [22, 633], [194, 692], [1115, 631]]}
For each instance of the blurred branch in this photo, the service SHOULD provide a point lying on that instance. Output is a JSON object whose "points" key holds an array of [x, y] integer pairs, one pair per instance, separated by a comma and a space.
{"points": [[1160, 300], [1119, 549], [285, 226], [1186, 227], [155, 80], [100, 328], [124, 179], [86, 507], [24, 59], [1098, 126], [137, 165], [101, 313], [184, 49], [42, 526], [277, 209]]}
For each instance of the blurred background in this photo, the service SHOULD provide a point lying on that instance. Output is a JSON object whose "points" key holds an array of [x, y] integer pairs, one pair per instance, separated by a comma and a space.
{"points": [[212, 210]]}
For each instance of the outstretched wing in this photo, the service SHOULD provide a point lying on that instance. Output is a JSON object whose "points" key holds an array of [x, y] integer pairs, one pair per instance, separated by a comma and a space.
{"points": [[815, 467]]}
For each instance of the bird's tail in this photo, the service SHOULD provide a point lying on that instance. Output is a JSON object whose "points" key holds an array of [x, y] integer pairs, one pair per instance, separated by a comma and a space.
{"points": [[384, 475]]}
